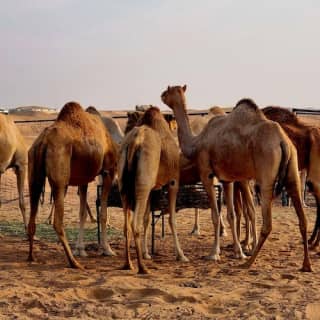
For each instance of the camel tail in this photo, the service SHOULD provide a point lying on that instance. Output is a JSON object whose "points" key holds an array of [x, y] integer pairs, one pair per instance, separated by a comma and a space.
{"points": [[128, 178], [36, 174], [283, 168]]}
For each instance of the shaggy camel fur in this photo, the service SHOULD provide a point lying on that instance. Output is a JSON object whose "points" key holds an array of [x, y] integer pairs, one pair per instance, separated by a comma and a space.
{"points": [[72, 151], [14, 154], [306, 139], [149, 159], [244, 133]]}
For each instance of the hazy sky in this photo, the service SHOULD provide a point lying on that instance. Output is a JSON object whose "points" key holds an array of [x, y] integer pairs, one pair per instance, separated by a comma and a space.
{"points": [[116, 54]]}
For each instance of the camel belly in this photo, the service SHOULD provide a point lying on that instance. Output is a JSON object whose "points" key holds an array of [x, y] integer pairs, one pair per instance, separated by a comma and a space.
{"points": [[84, 169]]}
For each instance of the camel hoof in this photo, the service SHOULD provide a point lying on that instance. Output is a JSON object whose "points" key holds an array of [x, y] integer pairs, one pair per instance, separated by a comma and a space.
{"points": [[223, 234], [76, 265], [127, 266], [108, 253], [143, 270], [80, 253], [93, 221], [213, 257], [195, 232], [306, 268], [240, 255], [182, 258], [147, 256], [245, 265]]}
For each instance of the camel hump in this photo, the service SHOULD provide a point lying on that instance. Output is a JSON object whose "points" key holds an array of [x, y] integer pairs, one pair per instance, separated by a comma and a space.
{"points": [[216, 111], [71, 112], [247, 103], [150, 116], [280, 115]]}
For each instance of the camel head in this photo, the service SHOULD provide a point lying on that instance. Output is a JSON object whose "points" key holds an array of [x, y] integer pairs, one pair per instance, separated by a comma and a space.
{"points": [[174, 96]]}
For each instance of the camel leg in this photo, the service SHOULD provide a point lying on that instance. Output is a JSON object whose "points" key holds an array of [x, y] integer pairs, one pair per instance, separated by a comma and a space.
{"points": [[50, 216], [294, 192], [58, 196], [238, 208], [80, 247], [206, 179], [250, 216], [303, 178], [172, 194], [127, 232], [266, 199], [196, 228], [315, 189], [137, 223], [92, 218], [223, 229], [107, 182], [228, 189], [21, 175], [146, 223]]}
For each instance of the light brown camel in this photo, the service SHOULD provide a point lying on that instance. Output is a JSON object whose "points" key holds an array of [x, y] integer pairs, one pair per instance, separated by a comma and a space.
{"points": [[117, 135], [306, 139], [72, 151], [14, 154], [149, 159], [235, 148]]}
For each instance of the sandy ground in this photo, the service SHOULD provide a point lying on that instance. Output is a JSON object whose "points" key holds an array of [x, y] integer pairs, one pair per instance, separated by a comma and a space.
{"points": [[273, 288]]}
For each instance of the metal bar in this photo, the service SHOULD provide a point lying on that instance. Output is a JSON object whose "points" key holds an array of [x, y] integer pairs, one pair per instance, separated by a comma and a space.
{"points": [[153, 224], [162, 226]]}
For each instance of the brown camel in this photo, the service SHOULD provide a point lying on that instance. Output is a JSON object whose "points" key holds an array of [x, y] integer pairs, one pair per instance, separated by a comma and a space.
{"points": [[72, 151], [306, 139], [149, 159], [14, 154], [234, 148]]}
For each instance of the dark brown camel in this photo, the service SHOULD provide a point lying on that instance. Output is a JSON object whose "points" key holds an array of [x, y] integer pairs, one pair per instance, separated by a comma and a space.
{"points": [[306, 139]]}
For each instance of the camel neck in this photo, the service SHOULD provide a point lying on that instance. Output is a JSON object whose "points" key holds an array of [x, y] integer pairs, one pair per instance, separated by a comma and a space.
{"points": [[185, 135]]}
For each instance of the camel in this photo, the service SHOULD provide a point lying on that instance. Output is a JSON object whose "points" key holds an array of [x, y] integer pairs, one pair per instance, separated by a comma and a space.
{"points": [[72, 151], [243, 133], [117, 135], [14, 154], [149, 159], [306, 139]]}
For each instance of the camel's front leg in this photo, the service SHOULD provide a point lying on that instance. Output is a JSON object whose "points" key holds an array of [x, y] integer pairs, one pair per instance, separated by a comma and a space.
{"points": [[206, 178], [266, 198], [106, 186], [250, 216], [80, 247], [172, 193], [228, 190], [21, 176]]}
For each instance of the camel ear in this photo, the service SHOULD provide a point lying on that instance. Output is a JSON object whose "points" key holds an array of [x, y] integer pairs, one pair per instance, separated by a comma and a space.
{"points": [[184, 88], [168, 88]]}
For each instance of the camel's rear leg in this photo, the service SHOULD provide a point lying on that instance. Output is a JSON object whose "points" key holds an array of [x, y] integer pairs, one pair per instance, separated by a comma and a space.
{"points": [[58, 195], [137, 224], [127, 232], [21, 176], [146, 224], [196, 227], [80, 247]]}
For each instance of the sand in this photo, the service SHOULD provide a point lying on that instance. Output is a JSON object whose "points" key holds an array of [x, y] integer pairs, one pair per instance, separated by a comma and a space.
{"points": [[273, 288]]}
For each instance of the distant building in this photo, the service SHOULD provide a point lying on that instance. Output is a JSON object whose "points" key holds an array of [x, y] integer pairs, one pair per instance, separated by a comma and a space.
{"points": [[34, 109]]}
